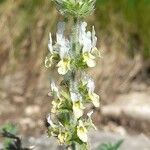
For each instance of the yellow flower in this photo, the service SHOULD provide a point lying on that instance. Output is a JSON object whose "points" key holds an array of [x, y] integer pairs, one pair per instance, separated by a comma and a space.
{"points": [[89, 59], [63, 66], [96, 52], [87, 41], [90, 120], [48, 61], [95, 99], [82, 132], [93, 96], [54, 107], [56, 103], [62, 137], [78, 109], [77, 105]]}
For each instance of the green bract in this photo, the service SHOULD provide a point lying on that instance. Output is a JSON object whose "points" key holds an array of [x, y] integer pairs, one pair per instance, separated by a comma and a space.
{"points": [[76, 8]]}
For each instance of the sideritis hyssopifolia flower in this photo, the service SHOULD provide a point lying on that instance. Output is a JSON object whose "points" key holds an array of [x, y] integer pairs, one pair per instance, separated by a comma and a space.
{"points": [[71, 56]]}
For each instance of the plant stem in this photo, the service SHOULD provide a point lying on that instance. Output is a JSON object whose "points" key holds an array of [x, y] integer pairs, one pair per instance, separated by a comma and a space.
{"points": [[73, 146], [74, 52], [75, 36]]}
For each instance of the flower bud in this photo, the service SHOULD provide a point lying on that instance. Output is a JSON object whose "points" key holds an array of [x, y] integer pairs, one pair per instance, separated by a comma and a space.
{"points": [[75, 8]]}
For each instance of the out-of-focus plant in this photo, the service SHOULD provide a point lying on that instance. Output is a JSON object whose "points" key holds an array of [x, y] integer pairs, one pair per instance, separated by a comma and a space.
{"points": [[9, 128], [11, 141], [72, 56], [110, 146], [130, 18]]}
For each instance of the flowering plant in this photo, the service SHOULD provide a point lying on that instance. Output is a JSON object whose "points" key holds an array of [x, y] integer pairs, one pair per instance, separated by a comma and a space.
{"points": [[72, 56]]}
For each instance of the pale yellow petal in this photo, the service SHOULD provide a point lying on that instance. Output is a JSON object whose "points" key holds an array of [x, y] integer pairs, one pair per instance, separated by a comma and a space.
{"points": [[48, 62], [63, 67], [91, 56], [96, 52], [62, 70], [91, 63], [78, 109], [89, 59], [62, 137], [82, 132], [95, 99]]}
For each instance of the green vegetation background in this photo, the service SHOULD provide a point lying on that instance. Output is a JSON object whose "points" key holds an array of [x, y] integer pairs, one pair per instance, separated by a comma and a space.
{"points": [[132, 15]]}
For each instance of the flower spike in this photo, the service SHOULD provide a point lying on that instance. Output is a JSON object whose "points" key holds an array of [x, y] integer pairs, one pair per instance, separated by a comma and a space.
{"points": [[71, 56]]}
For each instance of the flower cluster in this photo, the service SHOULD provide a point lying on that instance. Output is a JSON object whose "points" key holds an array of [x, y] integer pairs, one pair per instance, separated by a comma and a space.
{"points": [[68, 120], [68, 106], [60, 53], [76, 8]]}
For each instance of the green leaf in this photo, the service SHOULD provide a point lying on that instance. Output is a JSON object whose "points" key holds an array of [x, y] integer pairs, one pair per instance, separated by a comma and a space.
{"points": [[110, 146], [9, 127]]}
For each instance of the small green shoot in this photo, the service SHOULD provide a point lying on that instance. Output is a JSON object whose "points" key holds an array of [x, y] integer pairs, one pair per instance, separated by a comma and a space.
{"points": [[110, 146]]}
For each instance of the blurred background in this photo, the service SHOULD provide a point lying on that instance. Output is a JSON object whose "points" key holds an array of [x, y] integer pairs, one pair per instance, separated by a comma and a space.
{"points": [[122, 76]]}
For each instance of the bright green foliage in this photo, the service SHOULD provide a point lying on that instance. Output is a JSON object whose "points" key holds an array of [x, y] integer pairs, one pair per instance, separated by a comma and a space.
{"points": [[129, 18], [76, 8], [11, 140], [110, 146], [10, 128]]}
